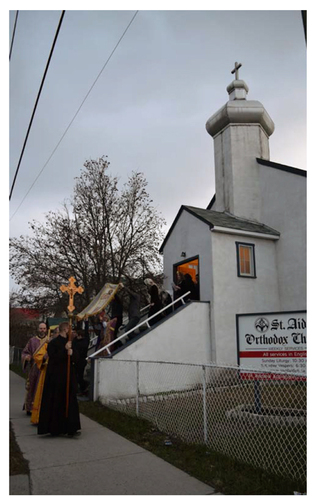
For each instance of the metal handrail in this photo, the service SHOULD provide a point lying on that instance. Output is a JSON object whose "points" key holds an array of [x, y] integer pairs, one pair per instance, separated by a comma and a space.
{"points": [[143, 308], [146, 321]]}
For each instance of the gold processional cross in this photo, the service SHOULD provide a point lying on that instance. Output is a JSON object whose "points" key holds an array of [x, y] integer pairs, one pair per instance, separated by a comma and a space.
{"points": [[236, 70], [71, 289]]}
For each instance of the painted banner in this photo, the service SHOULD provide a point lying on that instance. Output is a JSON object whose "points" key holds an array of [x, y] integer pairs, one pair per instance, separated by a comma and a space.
{"points": [[100, 302], [273, 342]]}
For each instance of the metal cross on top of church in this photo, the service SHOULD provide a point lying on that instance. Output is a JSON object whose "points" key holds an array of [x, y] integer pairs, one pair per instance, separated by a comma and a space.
{"points": [[71, 289], [236, 70]]}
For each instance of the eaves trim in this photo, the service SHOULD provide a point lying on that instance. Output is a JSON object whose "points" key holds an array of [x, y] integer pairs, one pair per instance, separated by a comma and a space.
{"points": [[279, 166], [241, 232]]}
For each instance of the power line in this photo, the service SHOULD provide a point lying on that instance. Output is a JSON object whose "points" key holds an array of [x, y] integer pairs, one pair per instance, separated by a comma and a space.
{"points": [[35, 107], [66, 130], [304, 22], [16, 16]]}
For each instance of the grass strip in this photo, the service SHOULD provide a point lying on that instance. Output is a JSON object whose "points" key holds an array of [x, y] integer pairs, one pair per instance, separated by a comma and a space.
{"points": [[18, 464], [224, 474], [18, 370]]}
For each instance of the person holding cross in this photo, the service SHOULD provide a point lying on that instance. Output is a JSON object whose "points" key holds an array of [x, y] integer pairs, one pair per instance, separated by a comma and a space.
{"points": [[57, 415]]}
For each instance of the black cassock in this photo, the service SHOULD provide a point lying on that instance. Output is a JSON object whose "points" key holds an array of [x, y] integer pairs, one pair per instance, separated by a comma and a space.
{"points": [[52, 418]]}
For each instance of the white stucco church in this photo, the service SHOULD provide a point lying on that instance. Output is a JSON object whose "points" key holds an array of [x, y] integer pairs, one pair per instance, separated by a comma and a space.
{"points": [[248, 247]]}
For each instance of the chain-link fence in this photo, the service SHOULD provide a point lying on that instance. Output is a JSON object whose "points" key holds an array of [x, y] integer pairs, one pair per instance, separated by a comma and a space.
{"points": [[260, 422]]}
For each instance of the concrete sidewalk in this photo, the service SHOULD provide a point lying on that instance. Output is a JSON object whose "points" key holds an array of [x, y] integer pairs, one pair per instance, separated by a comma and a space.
{"points": [[98, 462]]}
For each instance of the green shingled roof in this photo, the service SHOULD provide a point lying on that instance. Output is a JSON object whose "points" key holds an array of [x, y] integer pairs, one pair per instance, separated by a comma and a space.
{"points": [[222, 219]]}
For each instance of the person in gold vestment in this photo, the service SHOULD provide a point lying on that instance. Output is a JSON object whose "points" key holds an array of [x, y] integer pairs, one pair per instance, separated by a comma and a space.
{"points": [[30, 367], [41, 359]]}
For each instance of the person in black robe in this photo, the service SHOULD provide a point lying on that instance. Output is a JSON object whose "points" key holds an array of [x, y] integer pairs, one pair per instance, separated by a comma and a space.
{"points": [[197, 289], [52, 418], [166, 300], [177, 289], [117, 312], [80, 344], [155, 305], [188, 286], [133, 310]]}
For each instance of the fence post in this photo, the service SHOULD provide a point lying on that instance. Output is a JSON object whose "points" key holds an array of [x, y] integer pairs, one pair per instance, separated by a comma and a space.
{"points": [[137, 388], [12, 354], [92, 380], [205, 424], [257, 396], [95, 378]]}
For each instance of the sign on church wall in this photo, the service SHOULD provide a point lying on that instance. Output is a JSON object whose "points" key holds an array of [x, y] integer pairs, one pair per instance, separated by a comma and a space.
{"points": [[272, 342]]}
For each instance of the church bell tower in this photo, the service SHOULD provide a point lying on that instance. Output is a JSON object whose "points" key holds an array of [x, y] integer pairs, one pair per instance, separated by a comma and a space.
{"points": [[241, 131]]}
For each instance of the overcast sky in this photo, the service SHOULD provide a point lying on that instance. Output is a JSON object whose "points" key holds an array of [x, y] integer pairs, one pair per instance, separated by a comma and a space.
{"points": [[147, 111]]}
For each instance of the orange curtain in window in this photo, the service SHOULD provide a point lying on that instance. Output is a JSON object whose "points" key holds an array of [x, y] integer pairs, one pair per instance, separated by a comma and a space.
{"points": [[244, 255]]}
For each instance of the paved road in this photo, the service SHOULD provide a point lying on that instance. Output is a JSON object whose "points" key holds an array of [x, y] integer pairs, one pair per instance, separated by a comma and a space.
{"points": [[98, 462]]}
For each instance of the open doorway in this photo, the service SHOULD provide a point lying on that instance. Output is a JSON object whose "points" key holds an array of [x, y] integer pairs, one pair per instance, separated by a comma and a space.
{"points": [[190, 266]]}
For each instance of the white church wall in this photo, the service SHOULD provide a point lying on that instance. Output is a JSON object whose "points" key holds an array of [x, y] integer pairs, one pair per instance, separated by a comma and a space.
{"points": [[115, 380], [193, 237], [284, 209], [149, 378], [237, 295], [182, 338]]}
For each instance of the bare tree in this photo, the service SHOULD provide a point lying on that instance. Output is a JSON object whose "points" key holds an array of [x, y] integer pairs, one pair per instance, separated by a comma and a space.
{"points": [[101, 234]]}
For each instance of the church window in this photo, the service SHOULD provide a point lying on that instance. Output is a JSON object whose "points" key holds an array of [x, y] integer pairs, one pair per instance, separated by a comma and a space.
{"points": [[245, 260]]}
